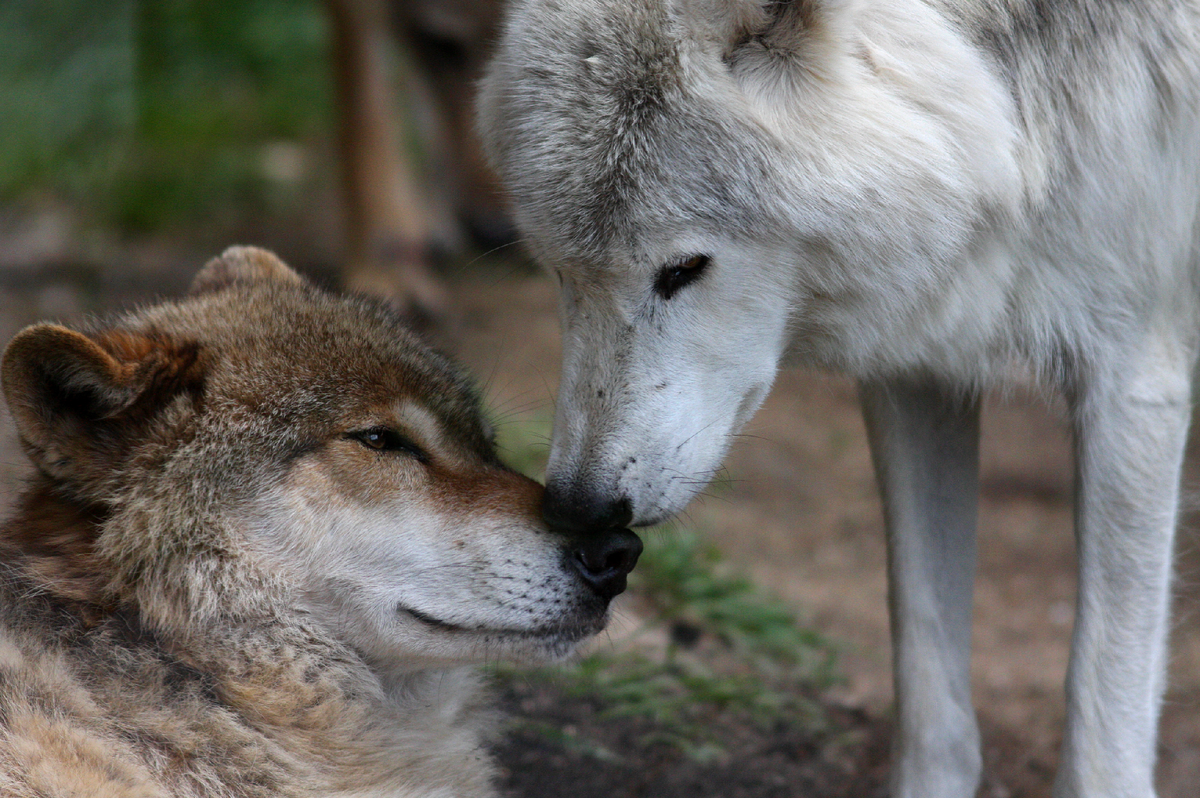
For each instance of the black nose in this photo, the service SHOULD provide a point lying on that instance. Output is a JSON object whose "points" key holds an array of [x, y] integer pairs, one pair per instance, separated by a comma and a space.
{"points": [[579, 512], [605, 560]]}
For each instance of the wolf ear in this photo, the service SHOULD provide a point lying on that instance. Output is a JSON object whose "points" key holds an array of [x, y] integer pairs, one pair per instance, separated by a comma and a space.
{"points": [[728, 21], [243, 265], [75, 401], [783, 24]]}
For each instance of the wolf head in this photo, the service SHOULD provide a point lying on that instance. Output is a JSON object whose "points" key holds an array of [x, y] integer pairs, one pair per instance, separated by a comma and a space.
{"points": [[264, 452], [715, 183]]}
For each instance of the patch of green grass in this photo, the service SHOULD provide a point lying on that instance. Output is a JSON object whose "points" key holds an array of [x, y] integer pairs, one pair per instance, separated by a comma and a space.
{"points": [[568, 739], [690, 586], [733, 648]]}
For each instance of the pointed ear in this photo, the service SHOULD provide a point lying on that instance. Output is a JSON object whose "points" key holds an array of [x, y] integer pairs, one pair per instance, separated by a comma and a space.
{"points": [[782, 24], [243, 265], [727, 21], [76, 402]]}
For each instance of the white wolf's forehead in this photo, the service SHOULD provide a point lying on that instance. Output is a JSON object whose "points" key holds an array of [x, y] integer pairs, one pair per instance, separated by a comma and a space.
{"points": [[589, 118]]}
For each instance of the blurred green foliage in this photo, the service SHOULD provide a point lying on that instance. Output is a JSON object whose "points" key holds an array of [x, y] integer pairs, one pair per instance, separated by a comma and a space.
{"points": [[144, 113]]}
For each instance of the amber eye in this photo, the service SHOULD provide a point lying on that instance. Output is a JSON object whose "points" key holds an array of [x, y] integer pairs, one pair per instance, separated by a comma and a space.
{"points": [[672, 278], [385, 439]]}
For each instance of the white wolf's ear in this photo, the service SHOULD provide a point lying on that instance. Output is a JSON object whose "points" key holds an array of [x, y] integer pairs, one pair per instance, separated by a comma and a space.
{"points": [[791, 25], [242, 265], [727, 21], [78, 402]]}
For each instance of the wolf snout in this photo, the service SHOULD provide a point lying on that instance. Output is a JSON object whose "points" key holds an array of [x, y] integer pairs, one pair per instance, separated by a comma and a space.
{"points": [[605, 560], [581, 512]]}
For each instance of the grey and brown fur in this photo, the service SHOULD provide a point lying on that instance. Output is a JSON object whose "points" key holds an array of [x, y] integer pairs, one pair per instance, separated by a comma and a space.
{"points": [[931, 196], [266, 536]]}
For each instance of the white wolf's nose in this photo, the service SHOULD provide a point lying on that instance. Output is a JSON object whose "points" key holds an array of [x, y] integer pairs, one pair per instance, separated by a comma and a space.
{"points": [[582, 512]]}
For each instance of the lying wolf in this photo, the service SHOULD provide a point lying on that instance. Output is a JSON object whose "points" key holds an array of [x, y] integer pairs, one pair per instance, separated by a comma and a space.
{"points": [[266, 531], [928, 195]]}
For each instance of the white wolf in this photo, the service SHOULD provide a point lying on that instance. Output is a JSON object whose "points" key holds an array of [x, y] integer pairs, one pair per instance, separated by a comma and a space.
{"points": [[924, 194]]}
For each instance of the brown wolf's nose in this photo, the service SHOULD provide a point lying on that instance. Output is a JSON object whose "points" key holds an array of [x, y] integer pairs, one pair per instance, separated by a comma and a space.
{"points": [[605, 560]]}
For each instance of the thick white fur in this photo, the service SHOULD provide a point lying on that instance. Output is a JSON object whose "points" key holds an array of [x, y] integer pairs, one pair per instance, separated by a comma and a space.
{"points": [[927, 196]]}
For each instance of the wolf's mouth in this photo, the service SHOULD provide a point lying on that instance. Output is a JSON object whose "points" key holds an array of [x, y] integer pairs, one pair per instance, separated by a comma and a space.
{"points": [[574, 631], [429, 620]]}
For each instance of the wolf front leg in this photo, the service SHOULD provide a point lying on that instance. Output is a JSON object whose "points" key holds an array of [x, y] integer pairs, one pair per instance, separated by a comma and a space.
{"points": [[925, 442], [1131, 429]]}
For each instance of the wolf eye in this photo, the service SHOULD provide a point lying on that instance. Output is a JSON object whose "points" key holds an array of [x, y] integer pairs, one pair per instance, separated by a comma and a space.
{"points": [[672, 278], [385, 439]]}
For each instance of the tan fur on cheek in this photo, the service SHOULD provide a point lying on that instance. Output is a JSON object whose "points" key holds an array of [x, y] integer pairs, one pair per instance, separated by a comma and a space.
{"points": [[356, 474]]}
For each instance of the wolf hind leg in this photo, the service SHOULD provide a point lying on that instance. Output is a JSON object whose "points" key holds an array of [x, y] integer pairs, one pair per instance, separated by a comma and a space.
{"points": [[924, 439], [1131, 430]]}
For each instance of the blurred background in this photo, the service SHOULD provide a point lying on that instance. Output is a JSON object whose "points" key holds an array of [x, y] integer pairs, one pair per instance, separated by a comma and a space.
{"points": [[138, 138], [339, 132], [124, 122]]}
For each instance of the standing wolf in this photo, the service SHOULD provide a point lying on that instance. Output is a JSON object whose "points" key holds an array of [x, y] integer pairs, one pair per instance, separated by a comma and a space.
{"points": [[927, 195]]}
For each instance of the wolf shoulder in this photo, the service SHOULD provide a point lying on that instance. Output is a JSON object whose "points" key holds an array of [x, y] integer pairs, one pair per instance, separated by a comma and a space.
{"points": [[1090, 79], [1074, 129], [1106, 100]]}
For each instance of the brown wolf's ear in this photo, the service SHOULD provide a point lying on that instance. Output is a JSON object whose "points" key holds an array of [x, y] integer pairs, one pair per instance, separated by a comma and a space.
{"points": [[75, 400], [242, 265]]}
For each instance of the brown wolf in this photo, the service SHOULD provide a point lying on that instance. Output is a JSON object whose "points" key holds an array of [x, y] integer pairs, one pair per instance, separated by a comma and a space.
{"points": [[266, 532]]}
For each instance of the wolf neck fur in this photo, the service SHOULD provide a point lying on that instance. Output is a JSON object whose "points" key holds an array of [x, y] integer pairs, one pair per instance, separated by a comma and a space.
{"points": [[51, 541]]}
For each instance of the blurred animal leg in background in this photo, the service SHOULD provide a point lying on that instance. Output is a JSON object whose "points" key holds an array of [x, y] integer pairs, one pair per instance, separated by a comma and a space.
{"points": [[449, 42], [403, 212], [387, 228]]}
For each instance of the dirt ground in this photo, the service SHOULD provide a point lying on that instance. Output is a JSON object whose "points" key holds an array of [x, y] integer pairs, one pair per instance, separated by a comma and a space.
{"points": [[801, 516]]}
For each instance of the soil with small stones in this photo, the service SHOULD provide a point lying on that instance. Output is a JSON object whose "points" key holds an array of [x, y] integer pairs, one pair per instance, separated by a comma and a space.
{"points": [[561, 745], [596, 758]]}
